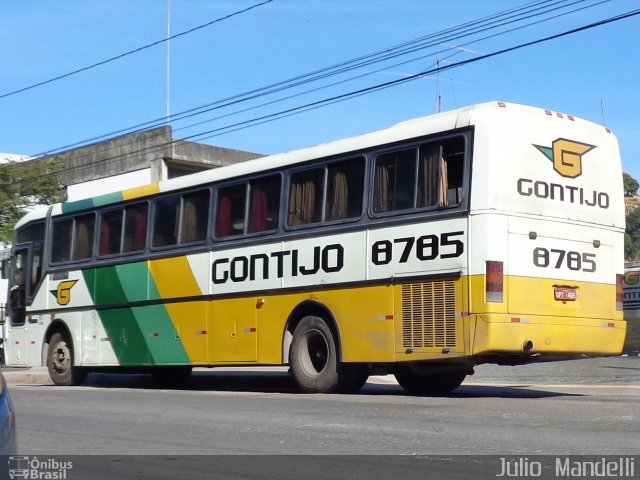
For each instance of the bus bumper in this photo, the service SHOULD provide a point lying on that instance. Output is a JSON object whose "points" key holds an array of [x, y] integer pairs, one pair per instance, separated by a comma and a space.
{"points": [[553, 336]]}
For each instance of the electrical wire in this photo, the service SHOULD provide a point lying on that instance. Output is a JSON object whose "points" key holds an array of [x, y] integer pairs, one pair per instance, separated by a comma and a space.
{"points": [[506, 17], [356, 93], [131, 52]]}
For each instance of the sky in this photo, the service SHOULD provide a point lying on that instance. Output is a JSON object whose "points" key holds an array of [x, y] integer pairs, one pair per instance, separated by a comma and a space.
{"points": [[593, 73]]}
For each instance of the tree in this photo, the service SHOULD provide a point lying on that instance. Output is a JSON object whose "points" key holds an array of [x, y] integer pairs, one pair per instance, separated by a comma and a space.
{"points": [[630, 185], [24, 185], [632, 235]]}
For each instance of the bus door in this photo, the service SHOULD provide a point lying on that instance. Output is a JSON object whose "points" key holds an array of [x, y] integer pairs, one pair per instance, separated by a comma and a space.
{"points": [[16, 343]]}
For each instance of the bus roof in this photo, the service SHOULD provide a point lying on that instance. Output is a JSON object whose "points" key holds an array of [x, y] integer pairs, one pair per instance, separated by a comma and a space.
{"points": [[418, 127]]}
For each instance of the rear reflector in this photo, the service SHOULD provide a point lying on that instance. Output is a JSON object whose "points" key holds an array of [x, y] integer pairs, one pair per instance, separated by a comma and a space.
{"points": [[619, 291], [494, 283]]}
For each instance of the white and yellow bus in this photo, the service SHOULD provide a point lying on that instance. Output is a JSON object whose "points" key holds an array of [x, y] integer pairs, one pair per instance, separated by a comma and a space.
{"points": [[488, 234]]}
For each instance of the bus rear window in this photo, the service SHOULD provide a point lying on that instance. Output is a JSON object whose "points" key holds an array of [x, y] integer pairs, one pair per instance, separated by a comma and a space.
{"points": [[428, 176]]}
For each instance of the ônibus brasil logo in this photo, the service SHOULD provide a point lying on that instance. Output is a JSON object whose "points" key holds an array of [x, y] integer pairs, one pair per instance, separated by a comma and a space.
{"points": [[566, 156], [63, 292]]}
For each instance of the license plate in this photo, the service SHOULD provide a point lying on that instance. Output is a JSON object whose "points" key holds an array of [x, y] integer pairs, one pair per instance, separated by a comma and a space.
{"points": [[565, 294]]}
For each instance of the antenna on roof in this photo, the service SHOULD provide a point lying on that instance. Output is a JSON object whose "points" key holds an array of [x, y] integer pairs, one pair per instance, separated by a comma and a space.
{"points": [[602, 112], [438, 95], [168, 60]]}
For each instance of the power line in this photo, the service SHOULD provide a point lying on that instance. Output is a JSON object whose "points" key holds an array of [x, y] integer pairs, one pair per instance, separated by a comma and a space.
{"points": [[131, 52], [500, 19], [356, 93], [422, 57]]}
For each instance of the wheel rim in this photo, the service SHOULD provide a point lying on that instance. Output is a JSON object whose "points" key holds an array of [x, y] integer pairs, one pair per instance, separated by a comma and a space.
{"points": [[61, 358], [315, 353]]}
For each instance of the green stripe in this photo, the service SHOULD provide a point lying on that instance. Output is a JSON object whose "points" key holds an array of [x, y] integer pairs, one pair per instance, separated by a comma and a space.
{"points": [[139, 335], [77, 205], [87, 203], [107, 199]]}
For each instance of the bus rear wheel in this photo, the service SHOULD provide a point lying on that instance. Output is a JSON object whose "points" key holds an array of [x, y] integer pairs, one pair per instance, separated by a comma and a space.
{"points": [[314, 360], [60, 362], [419, 382]]}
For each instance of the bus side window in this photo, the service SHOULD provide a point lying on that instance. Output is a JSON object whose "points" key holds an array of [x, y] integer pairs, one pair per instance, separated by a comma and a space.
{"points": [[453, 171], [230, 211], [195, 215], [395, 179], [344, 190], [61, 245], [110, 233], [135, 227], [305, 197], [165, 221], [430, 164], [83, 230], [264, 204]]}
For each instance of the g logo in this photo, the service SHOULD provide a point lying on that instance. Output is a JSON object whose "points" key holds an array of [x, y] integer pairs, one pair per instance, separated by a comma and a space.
{"points": [[63, 292], [631, 277], [566, 156]]}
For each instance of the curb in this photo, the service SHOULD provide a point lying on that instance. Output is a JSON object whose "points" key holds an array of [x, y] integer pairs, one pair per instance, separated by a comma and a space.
{"points": [[40, 375], [26, 376]]}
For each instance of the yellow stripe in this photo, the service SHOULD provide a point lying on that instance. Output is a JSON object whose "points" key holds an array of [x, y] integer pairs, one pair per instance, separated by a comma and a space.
{"points": [[173, 278], [138, 192], [534, 296]]}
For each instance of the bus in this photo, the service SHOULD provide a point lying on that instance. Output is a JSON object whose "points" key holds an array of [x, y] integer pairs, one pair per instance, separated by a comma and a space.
{"points": [[486, 234], [631, 308]]}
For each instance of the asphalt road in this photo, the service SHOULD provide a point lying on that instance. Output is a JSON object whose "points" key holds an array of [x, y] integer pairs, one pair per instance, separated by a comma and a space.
{"points": [[119, 426], [582, 407]]}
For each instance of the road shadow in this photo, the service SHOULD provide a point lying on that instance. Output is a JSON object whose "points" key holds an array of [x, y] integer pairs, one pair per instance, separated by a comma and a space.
{"points": [[282, 382]]}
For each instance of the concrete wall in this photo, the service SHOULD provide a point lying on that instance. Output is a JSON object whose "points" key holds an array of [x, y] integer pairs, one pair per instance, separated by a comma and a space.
{"points": [[155, 149], [129, 161]]}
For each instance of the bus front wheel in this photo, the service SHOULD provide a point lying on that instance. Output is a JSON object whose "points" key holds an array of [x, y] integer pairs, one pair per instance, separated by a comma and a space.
{"points": [[314, 360], [60, 362], [418, 382]]}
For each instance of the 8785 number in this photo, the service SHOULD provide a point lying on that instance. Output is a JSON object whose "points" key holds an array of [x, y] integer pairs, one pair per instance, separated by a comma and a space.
{"points": [[576, 261], [426, 247]]}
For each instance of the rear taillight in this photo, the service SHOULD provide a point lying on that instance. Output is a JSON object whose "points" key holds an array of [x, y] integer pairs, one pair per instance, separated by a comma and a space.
{"points": [[494, 283], [619, 291]]}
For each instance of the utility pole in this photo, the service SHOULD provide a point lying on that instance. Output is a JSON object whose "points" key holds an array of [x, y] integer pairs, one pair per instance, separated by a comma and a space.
{"points": [[168, 72]]}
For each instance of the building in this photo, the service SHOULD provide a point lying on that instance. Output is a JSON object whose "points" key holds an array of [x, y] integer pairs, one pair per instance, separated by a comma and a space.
{"points": [[129, 161], [137, 159]]}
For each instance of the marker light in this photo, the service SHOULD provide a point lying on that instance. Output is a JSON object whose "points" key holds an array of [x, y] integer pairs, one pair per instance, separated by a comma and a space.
{"points": [[494, 282], [619, 291]]}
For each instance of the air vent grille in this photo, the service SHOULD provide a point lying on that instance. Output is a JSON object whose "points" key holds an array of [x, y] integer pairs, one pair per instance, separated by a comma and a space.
{"points": [[429, 314]]}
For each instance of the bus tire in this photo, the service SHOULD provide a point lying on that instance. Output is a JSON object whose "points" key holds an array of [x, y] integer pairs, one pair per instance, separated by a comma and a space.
{"points": [[60, 362], [352, 377], [419, 383], [313, 356]]}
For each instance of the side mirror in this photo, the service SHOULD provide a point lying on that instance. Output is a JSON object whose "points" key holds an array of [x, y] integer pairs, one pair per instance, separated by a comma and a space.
{"points": [[4, 269]]}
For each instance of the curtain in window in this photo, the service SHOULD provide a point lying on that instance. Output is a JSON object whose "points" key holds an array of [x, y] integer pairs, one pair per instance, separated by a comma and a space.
{"points": [[258, 217], [428, 181], [83, 240], [444, 183], [223, 219], [140, 233], [381, 197], [189, 222], [105, 238], [338, 209], [302, 202]]}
